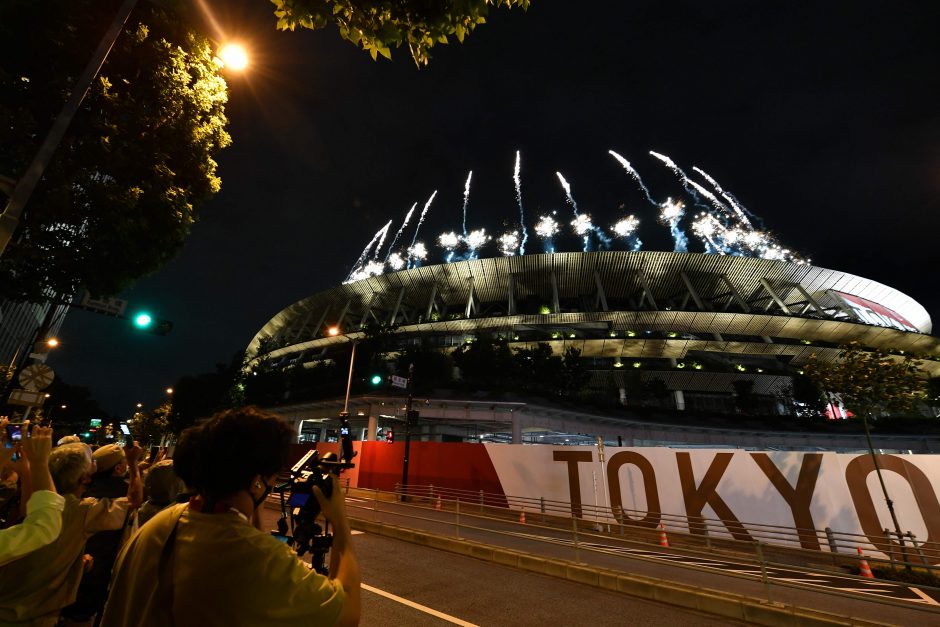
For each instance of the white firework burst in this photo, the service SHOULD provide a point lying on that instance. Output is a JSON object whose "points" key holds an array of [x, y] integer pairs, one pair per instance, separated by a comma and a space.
{"points": [[418, 251], [450, 240], [671, 210], [476, 239], [546, 227], [627, 226], [509, 243], [582, 224], [395, 261]]}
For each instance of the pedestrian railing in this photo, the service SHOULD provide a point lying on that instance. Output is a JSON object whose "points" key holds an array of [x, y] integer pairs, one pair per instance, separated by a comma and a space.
{"points": [[606, 531]]}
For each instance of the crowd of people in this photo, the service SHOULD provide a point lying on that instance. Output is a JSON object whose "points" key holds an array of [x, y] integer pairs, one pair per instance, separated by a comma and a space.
{"points": [[102, 537]]}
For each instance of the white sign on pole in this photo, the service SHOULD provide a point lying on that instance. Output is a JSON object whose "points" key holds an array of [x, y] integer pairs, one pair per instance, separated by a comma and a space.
{"points": [[399, 382], [28, 398], [36, 377]]}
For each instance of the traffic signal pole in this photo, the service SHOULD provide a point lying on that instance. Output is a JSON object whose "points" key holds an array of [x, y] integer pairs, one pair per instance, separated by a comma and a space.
{"points": [[404, 466]]}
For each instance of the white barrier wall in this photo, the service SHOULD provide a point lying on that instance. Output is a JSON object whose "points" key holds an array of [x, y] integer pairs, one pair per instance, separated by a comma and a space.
{"points": [[741, 488]]}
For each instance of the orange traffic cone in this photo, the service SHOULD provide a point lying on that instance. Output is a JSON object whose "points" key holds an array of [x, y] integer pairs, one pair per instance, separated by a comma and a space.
{"points": [[522, 515], [437, 505], [863, 568], [663, 540]]}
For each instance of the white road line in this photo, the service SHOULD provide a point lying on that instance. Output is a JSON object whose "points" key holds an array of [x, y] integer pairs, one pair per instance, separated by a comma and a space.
{"points": [[356, 532], [418, 606], [927, 599]]}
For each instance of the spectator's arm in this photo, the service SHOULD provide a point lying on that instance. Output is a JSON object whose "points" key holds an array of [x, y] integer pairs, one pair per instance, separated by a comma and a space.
{"points": [[135, 487], [343, 564], [42, 526], [37, 448]]}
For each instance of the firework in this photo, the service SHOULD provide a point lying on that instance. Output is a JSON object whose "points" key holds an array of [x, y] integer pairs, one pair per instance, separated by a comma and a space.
{"points": [[381, 243], [546, 227], [417, 252], [509, 243], [717, 204], [636, 175], [517, 179], [475, 240], [582, 224], [400, 230], [707, 227], [466, 201], [424, 212], [670, 213], [626, 227], [395, 261], [449, 241], [365, 251], [739, 209], [567, 189]]}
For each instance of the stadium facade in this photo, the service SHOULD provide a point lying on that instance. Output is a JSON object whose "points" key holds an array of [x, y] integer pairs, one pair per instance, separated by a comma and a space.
{"points": [[697, 322]]}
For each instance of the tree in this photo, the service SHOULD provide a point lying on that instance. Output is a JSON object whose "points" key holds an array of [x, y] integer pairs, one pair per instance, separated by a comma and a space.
{"points": [[149, 427], [871, 383], [124, 187], [379, 25], [804, 396]]}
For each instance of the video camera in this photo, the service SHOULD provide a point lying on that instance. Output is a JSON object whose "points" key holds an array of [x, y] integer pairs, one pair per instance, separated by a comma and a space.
{"points": [[301, 509]]}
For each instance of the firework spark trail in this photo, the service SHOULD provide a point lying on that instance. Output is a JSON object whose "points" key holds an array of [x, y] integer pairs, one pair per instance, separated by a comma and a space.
{"points": [[567, 189], [365, 251], [424, 212], [683, 179], [466, 201], [671, 212], [583, 226], [717, 204], [732, 200], [517, 179], [705, 226], [547, 228], [400, 230], [636, 176], [378, 249]]}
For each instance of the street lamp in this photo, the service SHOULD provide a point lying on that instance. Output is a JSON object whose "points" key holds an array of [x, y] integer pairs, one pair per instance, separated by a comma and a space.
{"points": [[52, 342], [233, 56], [169, 390]]}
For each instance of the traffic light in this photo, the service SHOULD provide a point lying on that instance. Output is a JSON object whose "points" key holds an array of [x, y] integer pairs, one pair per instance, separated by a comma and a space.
{"points": [[389, 436], [145, 322], [376, 379]]}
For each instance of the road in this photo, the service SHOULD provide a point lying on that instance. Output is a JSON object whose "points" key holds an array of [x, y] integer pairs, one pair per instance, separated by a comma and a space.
{"points": [[409, 585], [824, 591]]}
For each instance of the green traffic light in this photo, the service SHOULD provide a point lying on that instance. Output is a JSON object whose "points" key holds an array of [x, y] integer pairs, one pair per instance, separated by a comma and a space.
{"points": [[143, 320], [376, 379]]}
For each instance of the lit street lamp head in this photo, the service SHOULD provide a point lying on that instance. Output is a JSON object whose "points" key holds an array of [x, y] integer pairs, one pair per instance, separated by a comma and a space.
{"points": [[52, 342], [233, 56], [333, 331]]}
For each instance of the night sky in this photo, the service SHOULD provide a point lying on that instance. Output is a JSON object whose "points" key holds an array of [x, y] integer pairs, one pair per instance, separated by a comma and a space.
{"points": [[821, 117]]}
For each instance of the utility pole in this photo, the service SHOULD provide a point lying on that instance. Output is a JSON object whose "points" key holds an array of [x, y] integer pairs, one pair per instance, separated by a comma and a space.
{"points": [[404, 466]]}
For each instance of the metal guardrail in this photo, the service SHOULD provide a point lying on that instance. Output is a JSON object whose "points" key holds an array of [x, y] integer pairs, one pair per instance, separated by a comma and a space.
{"points": [[707, 531], [468, 510]]}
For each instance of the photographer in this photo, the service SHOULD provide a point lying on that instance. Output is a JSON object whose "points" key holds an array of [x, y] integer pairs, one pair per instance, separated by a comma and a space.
{"points": [[204, 563]]}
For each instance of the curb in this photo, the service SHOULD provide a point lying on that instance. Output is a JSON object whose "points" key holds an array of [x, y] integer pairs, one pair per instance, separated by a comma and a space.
{"points": [[729, 605]]}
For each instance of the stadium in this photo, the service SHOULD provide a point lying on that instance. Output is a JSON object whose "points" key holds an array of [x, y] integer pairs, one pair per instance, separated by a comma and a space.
{"points": [[697, 323]]}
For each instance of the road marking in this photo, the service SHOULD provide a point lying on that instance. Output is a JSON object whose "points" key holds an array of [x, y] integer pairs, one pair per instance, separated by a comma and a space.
{"points": [[356, 532], [418, 606], [927, 599]]}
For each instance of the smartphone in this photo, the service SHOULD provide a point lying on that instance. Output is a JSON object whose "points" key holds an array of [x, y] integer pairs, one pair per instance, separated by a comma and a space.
{"points": [[15, 431], [153, 453]]}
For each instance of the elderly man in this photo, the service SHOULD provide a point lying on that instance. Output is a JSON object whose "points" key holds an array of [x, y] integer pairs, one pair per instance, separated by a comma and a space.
{"points": [[34, 588], [43, 521]]}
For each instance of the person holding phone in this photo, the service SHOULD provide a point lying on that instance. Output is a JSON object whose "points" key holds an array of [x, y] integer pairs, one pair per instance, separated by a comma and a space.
{"points": [[43, 521]]}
